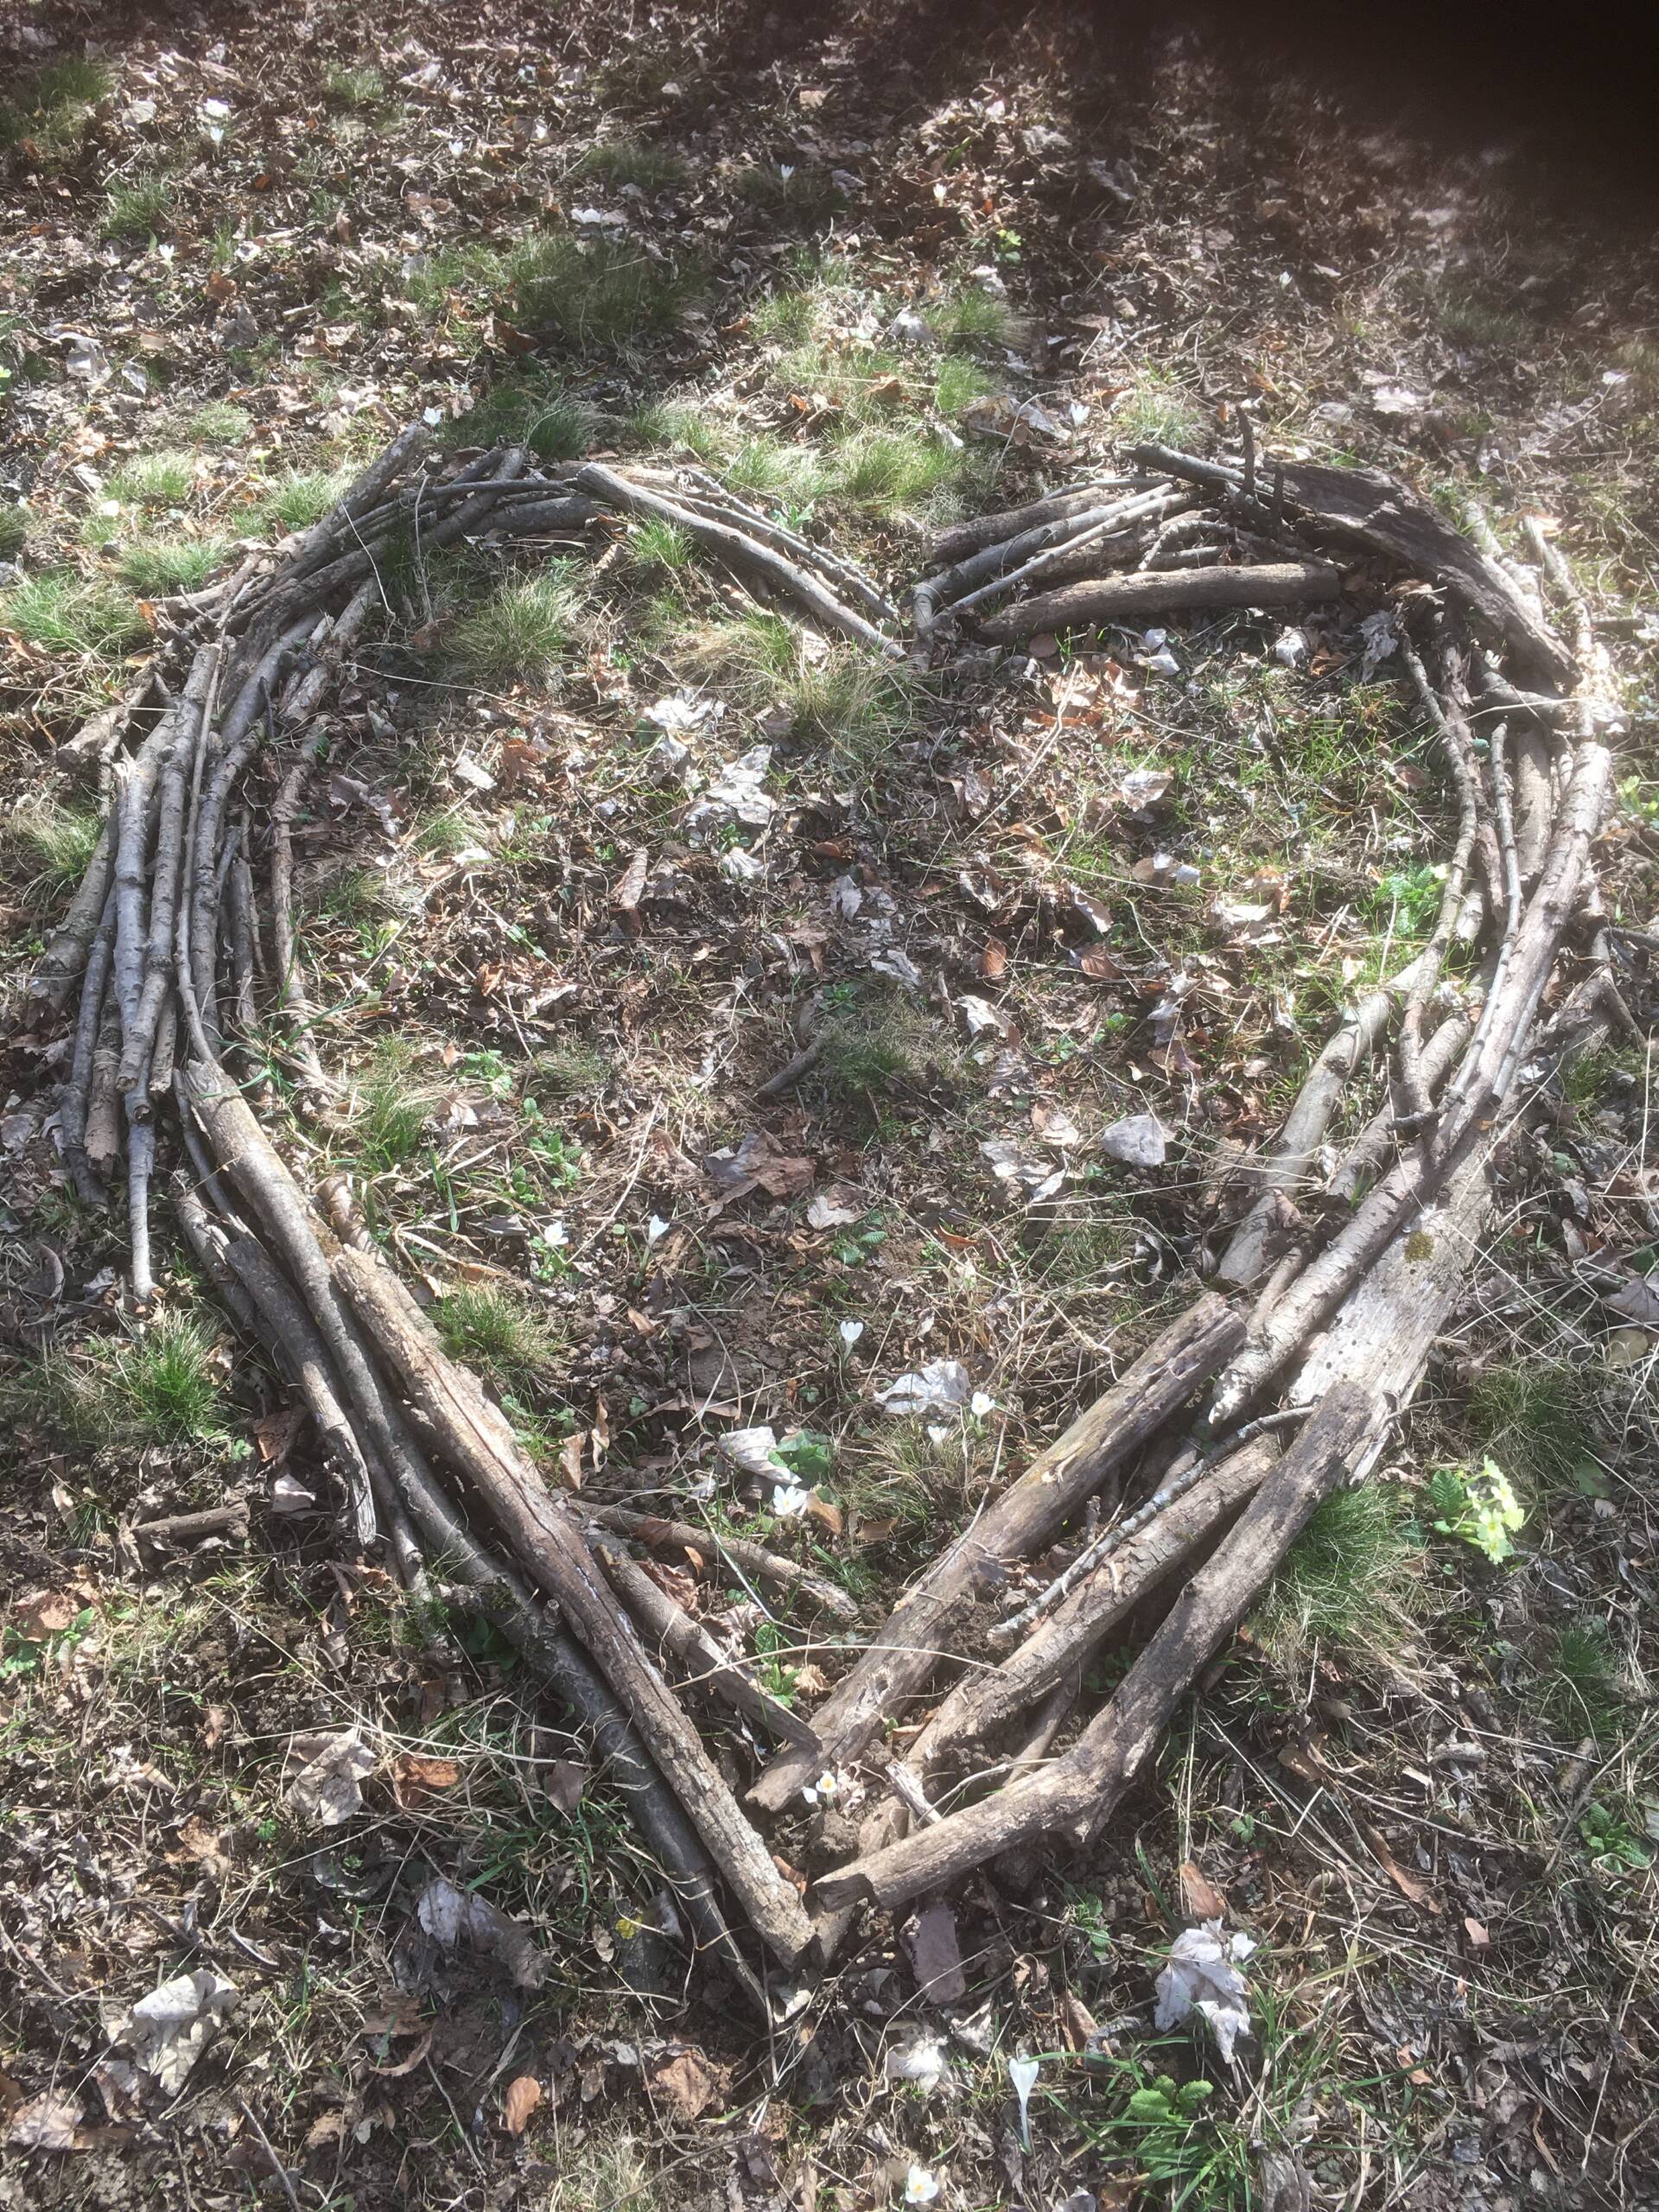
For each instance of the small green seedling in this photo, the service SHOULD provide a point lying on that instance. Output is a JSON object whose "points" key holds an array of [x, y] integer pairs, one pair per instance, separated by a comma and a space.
{"points": [[1482, 1507], [1613, 1847]]}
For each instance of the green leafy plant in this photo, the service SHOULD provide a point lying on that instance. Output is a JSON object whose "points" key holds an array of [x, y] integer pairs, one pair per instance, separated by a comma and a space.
{"points": [[808, 1457], [1481, 1509], [1613, 1846]]}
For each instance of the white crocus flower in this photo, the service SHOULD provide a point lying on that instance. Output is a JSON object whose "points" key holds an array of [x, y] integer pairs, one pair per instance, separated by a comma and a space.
{"points": [[788, 1499], [920, 2186]]}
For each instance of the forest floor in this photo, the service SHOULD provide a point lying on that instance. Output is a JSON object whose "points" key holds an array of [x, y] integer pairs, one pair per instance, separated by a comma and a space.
{"points": [[596, 852]]}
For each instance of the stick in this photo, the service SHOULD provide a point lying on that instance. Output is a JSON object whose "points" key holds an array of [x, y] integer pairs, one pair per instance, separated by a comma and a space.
{"points": [[675, 1633], [1079, 1793], [547, 1543], [1166, 591], [1024, 1518], [984, 530], [744, 1554], [633, 499]]}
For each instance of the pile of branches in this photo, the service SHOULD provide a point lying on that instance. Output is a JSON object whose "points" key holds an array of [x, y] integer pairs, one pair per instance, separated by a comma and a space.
{"points": [[1279, 1382]]}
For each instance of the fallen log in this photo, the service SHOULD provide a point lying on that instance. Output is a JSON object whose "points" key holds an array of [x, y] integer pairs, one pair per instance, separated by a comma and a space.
{"points": [[905, 1653], [1134, 599]]}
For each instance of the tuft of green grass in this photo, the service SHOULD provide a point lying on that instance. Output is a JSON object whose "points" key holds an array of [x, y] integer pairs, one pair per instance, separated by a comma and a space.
{"points": [[668, 424], [56, 843], [14, 530], [136, 1393], [136, 208], [349, 87], [646, 162], [49, 106], [156, 566], [837, 695], [789, 191], [793, 473], [62, 614], [219, 422], [498, 1331], [301, 497], [889, 472], [393, 1103], [1531, 1418], [153, 480], [1157, 409], [518, 633], [879, 1040], [610, 294], [571, 1069], [1352, 1581], [970, 315], [1582, 1692], [555, 427], [661, 548]]}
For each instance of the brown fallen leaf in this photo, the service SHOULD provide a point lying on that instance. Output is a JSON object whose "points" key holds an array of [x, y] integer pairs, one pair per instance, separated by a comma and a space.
{"points": [[1477, 1933], [564, 1780], [626, 897], [826, 1514], [401, 2066], [1202, 1899], [688, 2082], [274, 1436], [522, 2098], [993, 960], [413, 1772], [43, 1613], [929, 1939], [48, 2122]]}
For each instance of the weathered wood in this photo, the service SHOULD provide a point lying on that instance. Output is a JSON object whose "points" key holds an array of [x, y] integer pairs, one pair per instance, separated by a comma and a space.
{"points": [[1079, 1793], [673, 1632], [983, 531], [739, 1552], [1025, 1516], [475, 1436], [984, 1700], [1166, 591]]}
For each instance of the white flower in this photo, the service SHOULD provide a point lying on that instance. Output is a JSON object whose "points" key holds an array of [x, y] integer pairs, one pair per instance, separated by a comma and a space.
{"points": [[920, 2186], [850, 1332], [656, 1230], [1022, 2074], [824, 1790], [981, 1404], [788, 1499], [556, 1235]]}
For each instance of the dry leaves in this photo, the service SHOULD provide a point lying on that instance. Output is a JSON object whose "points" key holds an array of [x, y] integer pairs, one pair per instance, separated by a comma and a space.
{"points": [[522, 2098]]}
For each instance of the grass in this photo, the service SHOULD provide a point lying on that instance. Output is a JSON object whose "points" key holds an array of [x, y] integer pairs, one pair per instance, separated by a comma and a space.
{"points": [[890, 472], [645, 162], [56, 843], [219, 422], [786, 191], [14, 530], [301, 497], [836, 696], [134, 1393], [1352, 1580], [1156, 410], [153, 480], [518, 633], [153, 566], [63, 613], [500, 1333], [49, 106], [610, 294], [353, 88], [674, 422], [659, 547], [392, 1106], [1531, 1418], [136, 208], [1581, 1694], [570, 1069], [879, 1039], [970, 315], [521, 412]]}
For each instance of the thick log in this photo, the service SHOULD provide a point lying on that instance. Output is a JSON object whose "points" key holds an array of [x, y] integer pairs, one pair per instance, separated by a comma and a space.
{"points": [[548, 1544], [1079, 1793], [1025, 1516], [1166, 591]]}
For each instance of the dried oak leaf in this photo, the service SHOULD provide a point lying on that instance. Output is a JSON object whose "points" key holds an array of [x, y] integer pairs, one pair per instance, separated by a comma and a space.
{"points": [[48, 2122]]}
